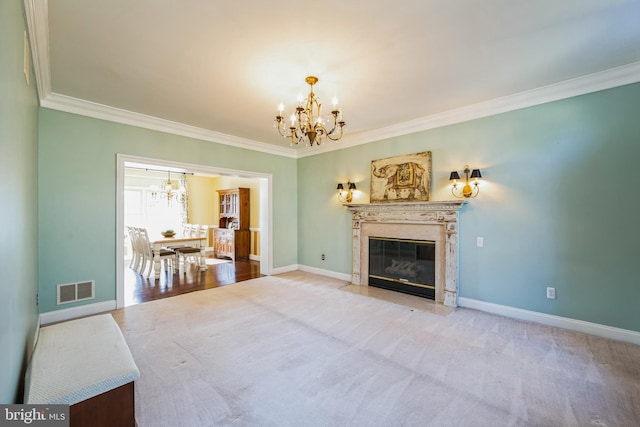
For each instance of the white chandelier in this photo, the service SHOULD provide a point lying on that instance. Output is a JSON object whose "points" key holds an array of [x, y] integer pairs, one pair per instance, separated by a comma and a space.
{"points": [[307, 125]]}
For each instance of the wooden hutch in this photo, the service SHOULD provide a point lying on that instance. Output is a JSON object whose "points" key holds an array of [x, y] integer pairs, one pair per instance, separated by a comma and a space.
{"points": [[232, 238]]}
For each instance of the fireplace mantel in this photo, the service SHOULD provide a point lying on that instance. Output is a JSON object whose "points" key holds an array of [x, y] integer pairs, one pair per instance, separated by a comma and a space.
{"points": [[437, 221], [433, 205]]}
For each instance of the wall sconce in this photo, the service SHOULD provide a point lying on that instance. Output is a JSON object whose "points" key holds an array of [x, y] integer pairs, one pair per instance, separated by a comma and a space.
{"points": [[467, 190], [345, 196]]}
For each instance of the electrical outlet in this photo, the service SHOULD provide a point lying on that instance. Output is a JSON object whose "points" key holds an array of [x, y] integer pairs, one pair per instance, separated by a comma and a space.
{"points": [[322, 257], [480, 242], [551, 293]]}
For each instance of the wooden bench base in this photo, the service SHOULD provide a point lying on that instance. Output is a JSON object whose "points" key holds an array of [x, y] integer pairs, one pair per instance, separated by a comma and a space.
{"points": [[113, 408]]}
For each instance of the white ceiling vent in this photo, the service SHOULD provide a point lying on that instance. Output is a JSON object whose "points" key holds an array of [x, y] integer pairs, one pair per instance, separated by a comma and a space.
{"points": [[72, 292]]}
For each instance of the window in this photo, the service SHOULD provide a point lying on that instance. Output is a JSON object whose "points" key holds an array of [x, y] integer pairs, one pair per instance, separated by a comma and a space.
{"points": [[154, 214]]}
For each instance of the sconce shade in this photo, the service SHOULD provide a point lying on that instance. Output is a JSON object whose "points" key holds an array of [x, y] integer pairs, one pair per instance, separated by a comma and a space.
{"points": [[465, 188], [346, 196]]}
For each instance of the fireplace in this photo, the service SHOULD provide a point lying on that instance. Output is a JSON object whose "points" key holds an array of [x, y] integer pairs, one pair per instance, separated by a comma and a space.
{"points": [[435, 222], [403, 265]]}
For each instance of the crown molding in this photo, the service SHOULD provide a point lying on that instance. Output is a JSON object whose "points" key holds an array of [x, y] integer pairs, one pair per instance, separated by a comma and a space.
{"points": [[37, 15], [37, 22], [69, 104], [614, 77]]}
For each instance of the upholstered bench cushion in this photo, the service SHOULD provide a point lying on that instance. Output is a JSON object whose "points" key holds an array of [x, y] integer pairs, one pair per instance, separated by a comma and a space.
{"points": [[79, 359]]}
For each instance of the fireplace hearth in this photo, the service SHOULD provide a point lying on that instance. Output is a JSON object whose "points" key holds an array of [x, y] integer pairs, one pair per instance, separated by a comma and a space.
{"points": [[403, 265]]}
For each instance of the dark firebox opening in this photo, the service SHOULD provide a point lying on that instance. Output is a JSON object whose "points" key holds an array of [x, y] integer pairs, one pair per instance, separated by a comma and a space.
{"points": [[403, 265]]}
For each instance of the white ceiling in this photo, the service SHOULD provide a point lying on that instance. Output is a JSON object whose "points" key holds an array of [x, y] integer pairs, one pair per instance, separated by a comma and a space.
{"points": [[222, 67]]}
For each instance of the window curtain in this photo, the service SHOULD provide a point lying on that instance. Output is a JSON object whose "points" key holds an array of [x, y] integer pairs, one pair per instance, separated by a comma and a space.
{"points": [[184, 200]]}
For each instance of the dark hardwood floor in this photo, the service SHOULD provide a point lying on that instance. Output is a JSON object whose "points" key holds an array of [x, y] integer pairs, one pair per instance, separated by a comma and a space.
{"points": [[139, 289]]}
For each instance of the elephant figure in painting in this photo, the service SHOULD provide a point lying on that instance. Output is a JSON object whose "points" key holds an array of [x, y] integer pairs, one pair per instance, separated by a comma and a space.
{"points": [[403, 179]]}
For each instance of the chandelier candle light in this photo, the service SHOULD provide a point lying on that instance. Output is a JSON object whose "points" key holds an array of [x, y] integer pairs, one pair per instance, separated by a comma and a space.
{"points": [[307, 125]]}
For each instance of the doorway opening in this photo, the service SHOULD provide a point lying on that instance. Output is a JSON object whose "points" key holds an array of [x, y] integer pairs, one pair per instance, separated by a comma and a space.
{"points": [[138, 205]]}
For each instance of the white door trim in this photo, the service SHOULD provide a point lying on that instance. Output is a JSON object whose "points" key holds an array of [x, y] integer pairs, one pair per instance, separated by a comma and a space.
{"points": [[266, 209]]}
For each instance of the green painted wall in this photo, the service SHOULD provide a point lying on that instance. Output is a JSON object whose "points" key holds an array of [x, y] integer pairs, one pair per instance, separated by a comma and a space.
{"points": [[557, 207], [18, 214], [77, 195]]}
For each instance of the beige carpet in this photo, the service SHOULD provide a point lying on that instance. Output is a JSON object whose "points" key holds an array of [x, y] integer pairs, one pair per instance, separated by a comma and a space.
{"points": [[294, 350]]}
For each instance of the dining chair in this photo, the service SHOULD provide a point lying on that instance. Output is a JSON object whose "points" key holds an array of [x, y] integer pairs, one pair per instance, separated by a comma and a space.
{"points": [[134, 253], [186, 232], [137, 249], [192, 253], [148, 254]]}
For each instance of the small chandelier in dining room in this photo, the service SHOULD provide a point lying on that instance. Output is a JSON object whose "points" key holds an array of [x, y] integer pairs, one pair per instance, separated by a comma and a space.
{"points": [[307, 125], [167, 191]]}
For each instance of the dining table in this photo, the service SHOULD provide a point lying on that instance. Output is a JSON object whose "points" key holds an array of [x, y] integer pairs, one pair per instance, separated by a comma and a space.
{"points": [[197, 242]]}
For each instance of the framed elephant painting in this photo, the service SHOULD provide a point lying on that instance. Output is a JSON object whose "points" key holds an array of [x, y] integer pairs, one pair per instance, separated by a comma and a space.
{"points": [[404, 178]]}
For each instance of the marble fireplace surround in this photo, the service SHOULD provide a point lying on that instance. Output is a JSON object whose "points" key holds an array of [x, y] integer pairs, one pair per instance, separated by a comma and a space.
{"points": [[437, 221]]}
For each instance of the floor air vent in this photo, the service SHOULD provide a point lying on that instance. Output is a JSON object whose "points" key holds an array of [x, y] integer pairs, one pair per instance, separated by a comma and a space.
{"points": [[72, 292]]}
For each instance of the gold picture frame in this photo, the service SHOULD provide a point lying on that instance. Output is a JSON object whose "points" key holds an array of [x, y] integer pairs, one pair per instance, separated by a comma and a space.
{"points": [[405, 178]]}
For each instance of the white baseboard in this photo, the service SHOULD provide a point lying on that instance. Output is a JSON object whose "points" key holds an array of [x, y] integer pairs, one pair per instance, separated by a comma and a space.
{"points": [[285, 269], [254, 257], [610, 332], [328, 273], [597, 329], [76, 312]]}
